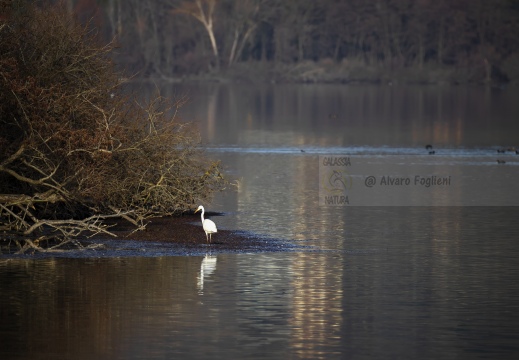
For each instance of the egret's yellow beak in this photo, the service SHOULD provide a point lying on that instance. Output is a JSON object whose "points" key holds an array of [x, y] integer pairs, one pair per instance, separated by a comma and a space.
{"points": [[196, 210]]}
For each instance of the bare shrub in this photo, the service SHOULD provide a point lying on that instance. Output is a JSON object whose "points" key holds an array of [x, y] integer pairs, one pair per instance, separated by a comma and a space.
{"points": [[75, 149]]}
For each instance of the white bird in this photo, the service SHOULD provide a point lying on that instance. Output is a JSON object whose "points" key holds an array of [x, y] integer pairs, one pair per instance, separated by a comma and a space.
{"points": [[208, 225]]}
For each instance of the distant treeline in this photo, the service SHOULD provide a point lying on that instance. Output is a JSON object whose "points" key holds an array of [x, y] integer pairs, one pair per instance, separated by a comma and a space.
{"points": [[182, 37]]}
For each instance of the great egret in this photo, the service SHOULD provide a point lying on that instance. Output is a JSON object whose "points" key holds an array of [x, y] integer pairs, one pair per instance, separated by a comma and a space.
{"points": [[208, 225]]}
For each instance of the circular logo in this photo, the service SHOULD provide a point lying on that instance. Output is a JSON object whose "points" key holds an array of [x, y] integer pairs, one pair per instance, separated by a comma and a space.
{"points": [[336, 181]]}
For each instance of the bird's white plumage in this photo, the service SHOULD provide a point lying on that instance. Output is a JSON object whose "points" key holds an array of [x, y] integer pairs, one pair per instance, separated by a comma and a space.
{"points": [[208, 225]]}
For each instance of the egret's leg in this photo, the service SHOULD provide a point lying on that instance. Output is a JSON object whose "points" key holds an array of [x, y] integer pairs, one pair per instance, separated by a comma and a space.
{"points": [[206, 238], [210, 238]]}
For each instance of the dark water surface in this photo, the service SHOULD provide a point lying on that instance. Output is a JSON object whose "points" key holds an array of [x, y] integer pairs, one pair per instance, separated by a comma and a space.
{"points": [[428, 282]]}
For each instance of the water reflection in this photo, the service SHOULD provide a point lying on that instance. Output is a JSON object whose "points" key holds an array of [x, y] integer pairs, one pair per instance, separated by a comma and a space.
{"points": [[373, 282], [275, 197], [400, 282], [317, 311], [207, 267], [84, 309], [299, 116]]}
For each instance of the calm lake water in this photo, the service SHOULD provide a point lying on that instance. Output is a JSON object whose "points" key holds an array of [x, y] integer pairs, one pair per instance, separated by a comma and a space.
{"points": [[410, 282]]}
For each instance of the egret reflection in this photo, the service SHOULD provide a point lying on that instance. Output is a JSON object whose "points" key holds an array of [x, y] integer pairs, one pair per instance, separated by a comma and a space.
{"points": [[206, 269]]}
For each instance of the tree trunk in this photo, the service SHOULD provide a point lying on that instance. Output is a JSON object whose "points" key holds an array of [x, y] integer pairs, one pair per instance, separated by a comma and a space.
{"points": [[441, 34]]}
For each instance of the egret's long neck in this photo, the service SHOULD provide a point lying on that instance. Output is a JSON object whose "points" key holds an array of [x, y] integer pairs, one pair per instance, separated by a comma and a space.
{"points": [[202, 215]]}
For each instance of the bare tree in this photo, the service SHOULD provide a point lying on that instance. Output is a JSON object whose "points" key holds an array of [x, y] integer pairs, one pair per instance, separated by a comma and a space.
{"points": [[114, 12], [203, 11], [245, 20], [75, 149]]}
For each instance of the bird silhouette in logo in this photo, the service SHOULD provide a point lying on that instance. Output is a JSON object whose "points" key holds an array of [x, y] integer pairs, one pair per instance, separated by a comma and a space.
{"points": [[336, 180]]}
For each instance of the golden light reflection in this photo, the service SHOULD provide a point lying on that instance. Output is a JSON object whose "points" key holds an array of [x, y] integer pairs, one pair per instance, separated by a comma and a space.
{"points": [[316, 279], [317, 303], [317, 285]]}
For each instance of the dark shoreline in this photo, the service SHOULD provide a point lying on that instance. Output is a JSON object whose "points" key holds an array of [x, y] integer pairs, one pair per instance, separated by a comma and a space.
{"points": [[346, 73], [183, 236], [166, 236], [181, 229]]}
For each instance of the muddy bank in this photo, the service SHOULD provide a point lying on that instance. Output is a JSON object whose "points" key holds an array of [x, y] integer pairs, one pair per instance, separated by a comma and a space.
{"points": [[183, 235], [168, 236]]}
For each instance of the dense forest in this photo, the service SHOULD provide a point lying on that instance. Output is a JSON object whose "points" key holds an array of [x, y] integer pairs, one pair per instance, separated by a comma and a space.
{"points": [[308, 40]]}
